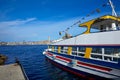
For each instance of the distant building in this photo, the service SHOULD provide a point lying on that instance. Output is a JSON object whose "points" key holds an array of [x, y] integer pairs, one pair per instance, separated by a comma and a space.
{"points": [[26, 43]]}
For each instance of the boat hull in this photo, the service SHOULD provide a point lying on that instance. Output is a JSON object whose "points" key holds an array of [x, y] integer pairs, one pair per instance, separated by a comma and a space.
{"points": [[72, 69], [80, 74]]}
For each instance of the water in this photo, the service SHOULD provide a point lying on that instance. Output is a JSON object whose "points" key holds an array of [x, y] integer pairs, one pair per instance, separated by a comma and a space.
{"points": [[34, 63]]}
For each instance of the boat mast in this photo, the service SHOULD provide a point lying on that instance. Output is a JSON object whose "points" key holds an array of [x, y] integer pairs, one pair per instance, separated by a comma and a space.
{"points": [[113, 10]]}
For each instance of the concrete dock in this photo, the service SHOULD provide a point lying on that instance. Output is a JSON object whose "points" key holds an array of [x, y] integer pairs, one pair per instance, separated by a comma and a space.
{"points": [[12, 72]]}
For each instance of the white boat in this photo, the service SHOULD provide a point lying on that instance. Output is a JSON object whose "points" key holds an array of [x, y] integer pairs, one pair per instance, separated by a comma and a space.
{"points": [[91, 55]]}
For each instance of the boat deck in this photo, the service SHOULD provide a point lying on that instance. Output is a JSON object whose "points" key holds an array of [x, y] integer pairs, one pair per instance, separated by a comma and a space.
{"points": [[11, 72]]}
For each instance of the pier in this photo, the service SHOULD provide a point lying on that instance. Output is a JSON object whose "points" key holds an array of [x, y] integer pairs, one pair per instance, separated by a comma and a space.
{"points": [[12, 72]]}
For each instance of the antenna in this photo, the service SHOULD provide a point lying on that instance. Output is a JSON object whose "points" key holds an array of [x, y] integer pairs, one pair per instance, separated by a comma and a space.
{"points": [[113, 10]]}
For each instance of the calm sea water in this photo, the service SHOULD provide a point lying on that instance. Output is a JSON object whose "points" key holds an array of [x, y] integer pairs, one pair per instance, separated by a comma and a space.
{"points": [[34, 63]]}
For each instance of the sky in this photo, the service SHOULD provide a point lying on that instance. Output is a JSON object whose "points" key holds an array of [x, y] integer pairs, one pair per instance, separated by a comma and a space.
{"points": [[36, 20]]}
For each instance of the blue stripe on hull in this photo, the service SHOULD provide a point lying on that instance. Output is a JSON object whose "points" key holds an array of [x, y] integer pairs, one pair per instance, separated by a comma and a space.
{"points": [[96, 62], [81, 74]]}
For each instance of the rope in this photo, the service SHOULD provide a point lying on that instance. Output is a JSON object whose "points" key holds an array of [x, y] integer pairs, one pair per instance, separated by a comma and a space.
{"points": [[83, 18]]}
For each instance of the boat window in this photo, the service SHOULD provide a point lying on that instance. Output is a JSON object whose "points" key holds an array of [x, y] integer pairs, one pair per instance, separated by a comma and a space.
{"points": [[107, 25], [74, 50], [64, 49], [112, 54], [100, 28], [81, 49], [97, 50], [50, 47], [82, 30], [78, 51], [115, 59], [106, 54], [94, 56], [56, 49], [96, 53], [118, 26], [94, 30], [78, 31], [109, 51]]}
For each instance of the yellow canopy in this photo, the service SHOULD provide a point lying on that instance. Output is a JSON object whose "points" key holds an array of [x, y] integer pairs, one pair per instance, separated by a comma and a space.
{"points": [[106, 17]]}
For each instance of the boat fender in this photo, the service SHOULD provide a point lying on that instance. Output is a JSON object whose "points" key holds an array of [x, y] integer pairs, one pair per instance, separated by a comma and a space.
{"points": [[54, 57], [72, 63]]}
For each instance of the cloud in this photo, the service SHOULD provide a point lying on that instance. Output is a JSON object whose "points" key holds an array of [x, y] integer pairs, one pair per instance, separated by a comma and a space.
{"points": [[35, 30], [16, 22]]}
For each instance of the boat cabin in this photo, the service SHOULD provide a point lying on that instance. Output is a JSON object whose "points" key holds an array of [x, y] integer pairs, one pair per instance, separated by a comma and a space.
{"points": [[102, 24], [103, 53], [96, 51]]}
